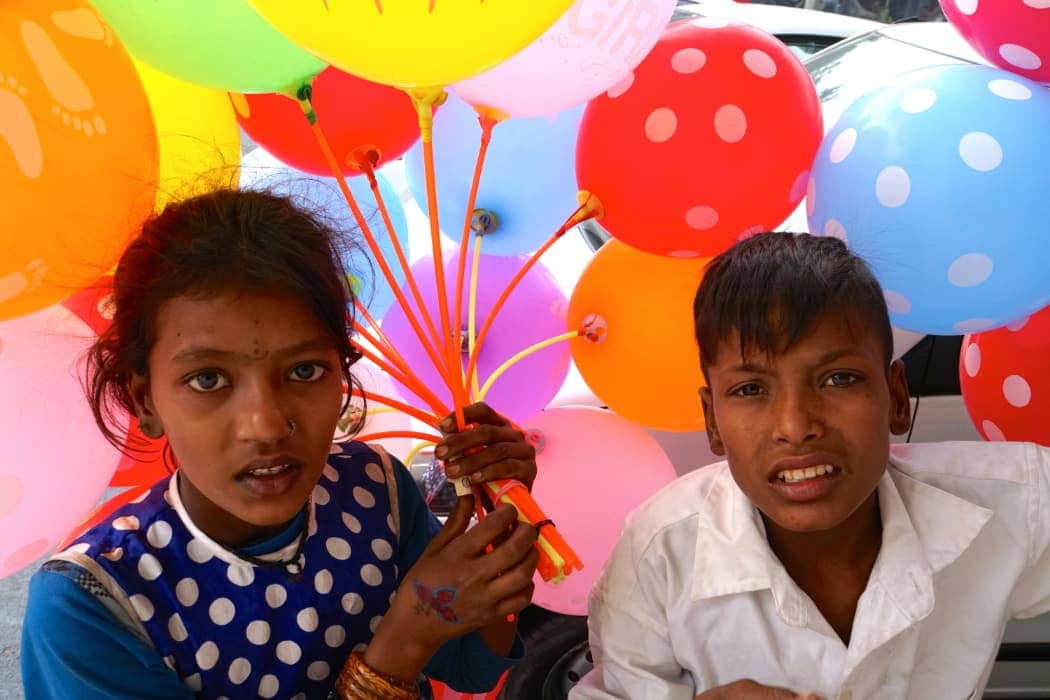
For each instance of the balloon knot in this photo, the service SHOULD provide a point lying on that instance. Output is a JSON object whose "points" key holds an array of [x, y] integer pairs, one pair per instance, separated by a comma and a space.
{"points": [[484, 222], [594, 328]]}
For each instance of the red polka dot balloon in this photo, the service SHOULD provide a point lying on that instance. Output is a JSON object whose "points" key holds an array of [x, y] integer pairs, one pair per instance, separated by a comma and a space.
{"points": [[1005, 380], [1012, 34], [709, 140]]}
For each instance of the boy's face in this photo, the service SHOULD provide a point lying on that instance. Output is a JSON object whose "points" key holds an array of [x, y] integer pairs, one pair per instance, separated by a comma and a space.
{"points": [[806, 430]]}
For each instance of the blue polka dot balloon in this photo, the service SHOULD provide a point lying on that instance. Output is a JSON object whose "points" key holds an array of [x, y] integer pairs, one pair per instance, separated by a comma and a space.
{"points": [[940, 183]]}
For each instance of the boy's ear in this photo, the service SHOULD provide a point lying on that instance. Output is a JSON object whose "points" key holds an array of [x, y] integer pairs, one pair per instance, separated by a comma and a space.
{"points": [[900, 400], [149, 422], [714, 438]]}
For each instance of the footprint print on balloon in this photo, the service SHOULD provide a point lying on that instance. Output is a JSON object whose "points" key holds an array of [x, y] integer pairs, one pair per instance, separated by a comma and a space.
{"points": [[73, 101], [78, 150]]}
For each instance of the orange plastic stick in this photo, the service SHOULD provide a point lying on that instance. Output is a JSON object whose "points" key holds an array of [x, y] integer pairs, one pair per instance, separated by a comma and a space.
{"points": [[416, 413], [401, 258], [487, 123], [333, 165], [397, 434], [374, 335], [424, 101], [433, 401]]}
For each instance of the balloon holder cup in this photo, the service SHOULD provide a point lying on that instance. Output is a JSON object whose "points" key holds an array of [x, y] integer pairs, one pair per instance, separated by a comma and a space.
{"points": [[364, 159], [484, 222], [594, 328]]}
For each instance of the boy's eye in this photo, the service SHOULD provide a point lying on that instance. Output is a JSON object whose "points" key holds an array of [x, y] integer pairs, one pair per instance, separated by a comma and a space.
{"points": [[307, 372], [750, 389], [208, 381], [841, 379]]}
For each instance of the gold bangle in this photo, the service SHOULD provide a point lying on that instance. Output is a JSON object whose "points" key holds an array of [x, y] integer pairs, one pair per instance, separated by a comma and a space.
{"points": [[359, 681]]}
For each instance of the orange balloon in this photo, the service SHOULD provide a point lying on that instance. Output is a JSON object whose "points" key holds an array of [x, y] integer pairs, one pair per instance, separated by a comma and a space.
{"points": [[641, 358], [78, 151]]}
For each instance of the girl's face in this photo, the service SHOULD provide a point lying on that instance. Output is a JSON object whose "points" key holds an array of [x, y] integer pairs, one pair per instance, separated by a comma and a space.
{"points": [[229, 377]]}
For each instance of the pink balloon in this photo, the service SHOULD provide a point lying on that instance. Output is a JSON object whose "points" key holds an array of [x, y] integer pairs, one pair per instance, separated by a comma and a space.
{"points": [[594, 468], [55, 463], [1012, 34], [596, 44], [380, 418]]}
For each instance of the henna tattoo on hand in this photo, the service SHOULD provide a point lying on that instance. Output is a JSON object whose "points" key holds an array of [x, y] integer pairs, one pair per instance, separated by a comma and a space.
{"points": [[439, 600]]}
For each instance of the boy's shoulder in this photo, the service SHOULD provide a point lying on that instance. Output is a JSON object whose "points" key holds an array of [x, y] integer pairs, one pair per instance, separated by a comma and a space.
{"points": [[699, 496], [1016, 462]]}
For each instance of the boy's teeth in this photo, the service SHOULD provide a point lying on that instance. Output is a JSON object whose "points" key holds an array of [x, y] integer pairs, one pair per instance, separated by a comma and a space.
{"points": [[792, 475], [268, 471]]}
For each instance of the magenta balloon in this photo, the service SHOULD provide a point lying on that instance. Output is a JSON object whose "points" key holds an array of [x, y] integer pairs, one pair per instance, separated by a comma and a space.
{"points": [[535, 311], [55, 463], [594, 468]]}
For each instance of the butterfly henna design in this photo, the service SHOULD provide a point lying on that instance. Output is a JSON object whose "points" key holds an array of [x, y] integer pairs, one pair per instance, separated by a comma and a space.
{"points": [[439, 600]]}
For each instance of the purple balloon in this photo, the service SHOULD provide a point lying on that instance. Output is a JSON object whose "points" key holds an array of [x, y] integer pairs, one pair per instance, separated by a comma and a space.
{"points": [[534, 311]]}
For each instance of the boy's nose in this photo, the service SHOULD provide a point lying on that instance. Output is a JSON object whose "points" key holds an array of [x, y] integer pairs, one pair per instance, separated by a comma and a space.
{"points": [[798, 418]]}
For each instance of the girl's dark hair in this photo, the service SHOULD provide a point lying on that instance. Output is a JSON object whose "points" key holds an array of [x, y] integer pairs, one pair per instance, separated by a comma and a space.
{"points": [[770, 288], [225, 239]]}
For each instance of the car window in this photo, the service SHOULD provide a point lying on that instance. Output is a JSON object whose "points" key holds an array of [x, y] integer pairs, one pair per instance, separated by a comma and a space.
{"points": [[853, 68], [805, 45]]}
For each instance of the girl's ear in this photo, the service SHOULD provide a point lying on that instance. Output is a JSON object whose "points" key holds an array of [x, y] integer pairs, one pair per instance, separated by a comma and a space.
{"points": [[900, 401], [149, 422], [714, 438]]}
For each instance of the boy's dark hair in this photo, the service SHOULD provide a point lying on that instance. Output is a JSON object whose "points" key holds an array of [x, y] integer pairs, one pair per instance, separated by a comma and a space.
{"points": [[771, 287], [225, 239]]}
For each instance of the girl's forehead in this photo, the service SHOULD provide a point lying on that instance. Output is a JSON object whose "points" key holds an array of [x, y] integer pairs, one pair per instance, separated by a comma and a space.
{"points": [[246, 322]]}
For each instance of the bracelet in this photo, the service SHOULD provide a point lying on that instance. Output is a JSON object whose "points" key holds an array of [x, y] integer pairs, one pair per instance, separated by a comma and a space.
{"points": [[359, 681]]}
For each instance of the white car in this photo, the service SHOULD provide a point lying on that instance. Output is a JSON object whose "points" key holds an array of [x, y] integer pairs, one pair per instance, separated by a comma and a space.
{"points": [[804, 31]]}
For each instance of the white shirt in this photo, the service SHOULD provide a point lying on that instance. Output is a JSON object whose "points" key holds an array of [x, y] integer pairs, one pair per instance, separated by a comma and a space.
{"points": [[693, 598]]}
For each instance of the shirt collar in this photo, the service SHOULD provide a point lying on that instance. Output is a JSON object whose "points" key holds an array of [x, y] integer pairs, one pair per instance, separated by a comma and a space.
{"points": [[924, 530]]}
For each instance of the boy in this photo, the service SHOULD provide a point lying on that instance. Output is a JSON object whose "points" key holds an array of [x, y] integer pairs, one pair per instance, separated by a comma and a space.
{"points": [[817, 559]]}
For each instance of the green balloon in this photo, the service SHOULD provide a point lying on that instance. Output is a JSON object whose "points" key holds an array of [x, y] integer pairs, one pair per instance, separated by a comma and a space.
{"points": [[223, 44]]}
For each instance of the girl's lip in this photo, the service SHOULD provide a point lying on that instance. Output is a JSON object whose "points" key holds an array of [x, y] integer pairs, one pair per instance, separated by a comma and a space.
{"points": [[268, 463], [273, 484]]}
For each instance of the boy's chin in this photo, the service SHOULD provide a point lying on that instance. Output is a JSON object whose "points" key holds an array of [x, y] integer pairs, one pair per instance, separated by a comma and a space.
{"points": [[808, 518]]}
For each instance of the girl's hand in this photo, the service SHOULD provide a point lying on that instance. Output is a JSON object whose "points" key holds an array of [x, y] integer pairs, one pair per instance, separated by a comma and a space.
{"points": [[455, 587], [489, 448]]}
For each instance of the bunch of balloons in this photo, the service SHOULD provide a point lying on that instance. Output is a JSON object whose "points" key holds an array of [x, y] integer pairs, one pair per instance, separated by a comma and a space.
{"points": [[515, 122]]}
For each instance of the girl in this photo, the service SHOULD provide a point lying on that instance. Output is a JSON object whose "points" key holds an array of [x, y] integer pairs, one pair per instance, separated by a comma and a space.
{"points": [[272, 563]]}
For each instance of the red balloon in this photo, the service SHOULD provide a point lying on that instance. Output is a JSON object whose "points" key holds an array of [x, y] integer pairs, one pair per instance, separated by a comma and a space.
{"points": [[355, 115], [1012, 34], [94, 304], [101, 512], [143, 462], [1005, 379], [710, 140]]}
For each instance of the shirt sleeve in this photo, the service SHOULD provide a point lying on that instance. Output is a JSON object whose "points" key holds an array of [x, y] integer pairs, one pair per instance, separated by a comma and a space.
{"points": [[73, 647], [628, 634], [465, 664], [1032, 595]]}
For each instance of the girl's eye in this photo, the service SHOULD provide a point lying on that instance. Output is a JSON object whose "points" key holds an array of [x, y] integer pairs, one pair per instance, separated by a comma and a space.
{"points": [[750, 389], [307, 372], [842, 379], [208, 381]]}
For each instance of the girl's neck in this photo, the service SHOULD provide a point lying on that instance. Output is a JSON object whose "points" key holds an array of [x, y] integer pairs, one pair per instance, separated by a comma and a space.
{"points": [[220, 525]]}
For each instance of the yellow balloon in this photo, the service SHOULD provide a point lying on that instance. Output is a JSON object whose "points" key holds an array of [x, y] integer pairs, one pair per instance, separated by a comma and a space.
{"points": [[413, 43], [198, 136]]}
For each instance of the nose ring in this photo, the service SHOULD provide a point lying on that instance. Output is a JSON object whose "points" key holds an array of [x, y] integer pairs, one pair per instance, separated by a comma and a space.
{"points": [[291, 428]]}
